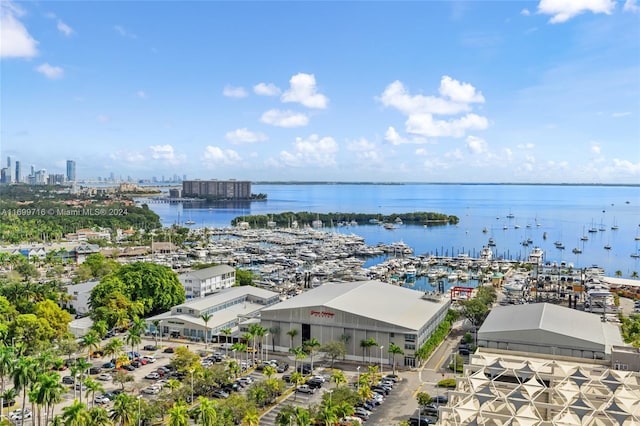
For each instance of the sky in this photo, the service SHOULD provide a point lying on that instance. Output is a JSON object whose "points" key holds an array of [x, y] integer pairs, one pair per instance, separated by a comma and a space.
{"points": [[366, 91]]}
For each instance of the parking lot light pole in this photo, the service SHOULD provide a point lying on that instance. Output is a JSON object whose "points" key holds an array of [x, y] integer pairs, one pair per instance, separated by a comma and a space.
{"points": [[381, 348], [358, 382], [266, 346], [139, 412], [191, 371]]}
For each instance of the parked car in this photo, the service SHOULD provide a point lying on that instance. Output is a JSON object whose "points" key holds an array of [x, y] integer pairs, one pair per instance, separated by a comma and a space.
{"points": [[129, 367], [422, 421], [152, 376], [105, 377], [152, 390], [429, 410], [220, 394], [68, 380], [20, 414], [282, 367], [439, 399], [8, 403], [149, 358], [314, 383], [135, 363], [393, 377], [149, 348], [80, 387], [108, 365], [305, 389], [169, 350], [287, 378], [101, 399], [304, 369], [95, 370]]}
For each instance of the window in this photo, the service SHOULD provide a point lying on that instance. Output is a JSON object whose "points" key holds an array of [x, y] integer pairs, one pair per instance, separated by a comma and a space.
{"points": [[409, 346]]}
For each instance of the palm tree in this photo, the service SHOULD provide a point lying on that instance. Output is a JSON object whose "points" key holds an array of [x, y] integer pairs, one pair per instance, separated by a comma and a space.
{"points": [[74, 414], [344, 409], [338, 378], [227, 333], [91, 341], [133, 338], [302, 416], [395, 350], [206, 317], [205, 413], [92, 387], [83, 366], [292, 333], [269, 371], [7, 361], [97, 416], [634, 274], [299, 354], [367, 344], [312, 346], [9, 395], [156, 332], [327, 415], [178, 415], [113, 348], [47, 392], [618, 273], [24, 374], [124, 410]]}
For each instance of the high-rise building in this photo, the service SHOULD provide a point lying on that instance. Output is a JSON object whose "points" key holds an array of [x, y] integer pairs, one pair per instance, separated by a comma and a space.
{"points": [[10, 170], [71, 171], [221, 189], [18, 177]]}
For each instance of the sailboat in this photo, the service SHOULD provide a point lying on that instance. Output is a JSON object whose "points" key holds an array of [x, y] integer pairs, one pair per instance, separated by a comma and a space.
{"points": [[614, 227], [190, 221], [584, 236]]}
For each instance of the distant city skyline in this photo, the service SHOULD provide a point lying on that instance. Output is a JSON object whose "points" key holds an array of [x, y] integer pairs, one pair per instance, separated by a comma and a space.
{"points": [[533, 92]]}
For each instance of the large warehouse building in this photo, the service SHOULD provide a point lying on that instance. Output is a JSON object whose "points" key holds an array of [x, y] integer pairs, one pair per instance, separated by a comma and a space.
{"points": [[356, 312], [549, 329]]}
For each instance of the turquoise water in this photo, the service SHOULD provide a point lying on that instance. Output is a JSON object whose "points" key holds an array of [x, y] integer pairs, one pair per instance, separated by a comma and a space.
{"points": [[564, 213]]}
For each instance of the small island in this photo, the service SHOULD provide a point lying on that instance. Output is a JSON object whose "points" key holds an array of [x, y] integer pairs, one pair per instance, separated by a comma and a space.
{"points": [[317, 220]]}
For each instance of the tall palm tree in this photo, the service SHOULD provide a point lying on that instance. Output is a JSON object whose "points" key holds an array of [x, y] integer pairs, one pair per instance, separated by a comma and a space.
{"points": [[156, 329], [227, 333], [292, 333], [47, 392], [7, 361], [24, 374], [327, 415], [92, 387], [9, 395], [312, 346], [113, 348], [178, 415], [206, 317], [124, 410], [395, 350], [74, 414], [338, 378], [302, 416], [206, 414], [133, 338], [91, 341], [83, 366]]}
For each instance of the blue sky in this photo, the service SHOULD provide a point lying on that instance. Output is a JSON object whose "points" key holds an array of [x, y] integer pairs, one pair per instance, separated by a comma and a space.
{"points": [[505, 91]]}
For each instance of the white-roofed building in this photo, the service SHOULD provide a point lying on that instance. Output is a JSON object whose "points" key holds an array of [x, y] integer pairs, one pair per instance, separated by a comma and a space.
{"points": [[229, 309], [203, 282], [354, 312], [549, 329]]}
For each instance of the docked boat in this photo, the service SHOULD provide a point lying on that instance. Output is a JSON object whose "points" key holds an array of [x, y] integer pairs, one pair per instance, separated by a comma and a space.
{"points": [[486, 254], [410, 272], [491, 242], [389, 226], [536, 256], [577, 250]]}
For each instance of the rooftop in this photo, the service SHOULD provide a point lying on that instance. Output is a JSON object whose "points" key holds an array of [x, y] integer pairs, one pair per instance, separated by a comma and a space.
{"points": [[387, 303], [203, 274], [224, 296]]}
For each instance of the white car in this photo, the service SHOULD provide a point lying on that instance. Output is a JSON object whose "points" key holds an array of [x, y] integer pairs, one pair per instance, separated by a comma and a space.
{"points": [[101, 399], [20, 414], [105, 377], [152, 390], [150, 358]]}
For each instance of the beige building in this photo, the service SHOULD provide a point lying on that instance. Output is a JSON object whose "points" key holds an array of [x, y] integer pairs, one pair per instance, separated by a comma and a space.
{"points": [[203, 282]]}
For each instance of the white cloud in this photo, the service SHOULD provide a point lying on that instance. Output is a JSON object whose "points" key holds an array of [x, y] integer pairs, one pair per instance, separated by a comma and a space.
{"points": [[476, 145], [459, 92], [621, 114], [234, 92], [563, 10], [64, 28], [595, 148], [214, 155], [50, 71], [525, 12], [631, 6], [124, 32], [314, 151], [266, 89], [456, 154], [16, 40], [421, 152], [166, 153], [396, 95], [245, 135], [626, 166], [286, 118], [365, 151], [425, 125], [303, 89], [141, 94], [103, 118], [392, 136]]}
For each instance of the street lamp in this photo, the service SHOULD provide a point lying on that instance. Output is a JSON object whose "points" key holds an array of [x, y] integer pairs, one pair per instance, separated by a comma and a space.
{"points": [[266, 346], [381, 348], [139, 412], [358, 382]]}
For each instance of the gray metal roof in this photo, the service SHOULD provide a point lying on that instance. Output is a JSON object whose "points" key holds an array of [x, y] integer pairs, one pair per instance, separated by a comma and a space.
{"points": [[383, 302], [556, 325], [213, 271]]}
